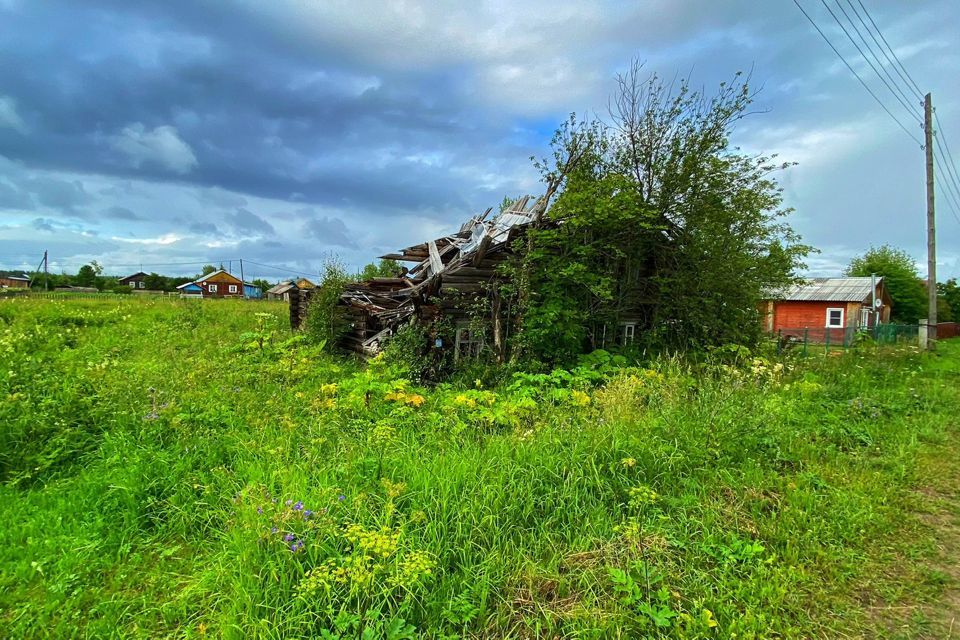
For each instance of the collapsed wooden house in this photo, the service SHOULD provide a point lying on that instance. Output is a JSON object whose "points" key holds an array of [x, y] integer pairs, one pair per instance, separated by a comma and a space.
{"points": [[446, 272]]}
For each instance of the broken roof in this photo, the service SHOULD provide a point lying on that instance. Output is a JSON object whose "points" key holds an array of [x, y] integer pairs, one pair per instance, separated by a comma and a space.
{"points": [[853, 289], [450, 262]]}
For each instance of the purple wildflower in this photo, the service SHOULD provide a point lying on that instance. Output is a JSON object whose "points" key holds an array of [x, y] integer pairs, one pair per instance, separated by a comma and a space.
{"points": [[288, 502], [260, 510], [296, 546], [289, 537], [298, 506], [341, 497], [307, 514]]}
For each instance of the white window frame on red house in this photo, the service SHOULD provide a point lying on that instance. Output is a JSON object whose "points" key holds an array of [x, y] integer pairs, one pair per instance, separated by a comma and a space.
{"points": [[133, 284], [212, 288], [835, 326], [143, 284], [232, 288]]}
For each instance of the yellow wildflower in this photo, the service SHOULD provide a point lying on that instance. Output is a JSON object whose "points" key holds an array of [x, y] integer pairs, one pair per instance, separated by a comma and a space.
{"points": [[464, 401], [415, 400], [393, 489], [642, 495], [580, 398]]}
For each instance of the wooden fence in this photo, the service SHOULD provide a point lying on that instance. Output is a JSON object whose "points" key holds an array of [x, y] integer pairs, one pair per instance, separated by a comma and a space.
{"points": [[947, 330]]}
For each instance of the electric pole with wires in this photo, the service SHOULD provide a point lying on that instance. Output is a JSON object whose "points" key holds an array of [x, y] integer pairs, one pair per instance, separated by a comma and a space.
{"points": [[931, 225]]}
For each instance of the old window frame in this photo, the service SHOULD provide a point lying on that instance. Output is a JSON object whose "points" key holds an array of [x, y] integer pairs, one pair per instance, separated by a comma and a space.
{"points": [[468, 343], [212, 288], [829, 324], [628, 333], [232, 288]]}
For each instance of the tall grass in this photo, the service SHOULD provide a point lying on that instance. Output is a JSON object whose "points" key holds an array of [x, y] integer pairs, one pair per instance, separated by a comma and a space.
{"points": [[149, 448]]}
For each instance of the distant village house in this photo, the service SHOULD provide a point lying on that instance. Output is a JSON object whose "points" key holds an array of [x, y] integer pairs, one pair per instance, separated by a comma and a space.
{"points": [[281, 291], [135, 281], [219, 284], [14, 282], [822, 309]]}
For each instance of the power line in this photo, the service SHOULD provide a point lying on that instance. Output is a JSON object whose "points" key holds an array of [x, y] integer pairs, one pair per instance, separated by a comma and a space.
{"points": [[950, 189], [857, 75], [916, 93], [904, 104], [906, 98], [950, 183], [894, 53], [950, 200], [951, 165]]}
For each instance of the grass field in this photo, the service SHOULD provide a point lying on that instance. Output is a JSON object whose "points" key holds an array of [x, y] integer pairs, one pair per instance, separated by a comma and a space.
{"points": [[191, 469]]}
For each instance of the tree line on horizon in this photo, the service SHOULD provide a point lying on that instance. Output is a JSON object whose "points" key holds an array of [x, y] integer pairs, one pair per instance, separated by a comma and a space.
{"points": [[92, 275]]}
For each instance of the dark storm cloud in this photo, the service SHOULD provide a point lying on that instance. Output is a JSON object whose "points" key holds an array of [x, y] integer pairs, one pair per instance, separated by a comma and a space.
{"points": [[203, 228], [328, 230], [42, 225], [184, 127], [121, 213], [245, 221], [233, 107], [12, 197], [58, 194]]}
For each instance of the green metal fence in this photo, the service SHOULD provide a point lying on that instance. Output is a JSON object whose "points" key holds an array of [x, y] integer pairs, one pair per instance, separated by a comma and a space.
{"points": [[807, 339]]}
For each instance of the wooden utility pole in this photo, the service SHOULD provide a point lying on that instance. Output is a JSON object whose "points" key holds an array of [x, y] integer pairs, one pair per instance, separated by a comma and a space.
{"points": [[931, 226], [46, 272], [243, 283]]}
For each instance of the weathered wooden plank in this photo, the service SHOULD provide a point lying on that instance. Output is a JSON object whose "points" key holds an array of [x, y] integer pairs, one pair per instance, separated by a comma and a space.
{"points": [[481, 250], [436, 264], [406, 257]]}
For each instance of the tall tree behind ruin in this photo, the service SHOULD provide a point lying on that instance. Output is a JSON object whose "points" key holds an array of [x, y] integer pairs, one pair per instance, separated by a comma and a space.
{"points": [[659, 220]]}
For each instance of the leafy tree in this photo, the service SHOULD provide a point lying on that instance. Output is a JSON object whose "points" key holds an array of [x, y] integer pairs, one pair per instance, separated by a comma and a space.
{"points": [[326, 319], [208, 269], [382, 269], [156, 282], [658, 221], [948, 298], [262, 284], [86, 276], [900, 277]]}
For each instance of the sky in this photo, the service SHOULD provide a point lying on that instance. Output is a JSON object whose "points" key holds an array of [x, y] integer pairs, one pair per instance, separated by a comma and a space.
{"points": [[171, 134]]}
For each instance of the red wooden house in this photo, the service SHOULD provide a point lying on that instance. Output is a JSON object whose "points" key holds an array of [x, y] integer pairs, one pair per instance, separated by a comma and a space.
{"points": [[14, 282], [220, 284], [827, 309]]}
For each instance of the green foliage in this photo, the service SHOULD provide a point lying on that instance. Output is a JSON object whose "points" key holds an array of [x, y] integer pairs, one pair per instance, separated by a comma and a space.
{"points": [[900, 277], [948, 301], [326, 318], [382, 269], [411, 351], [183, 468], [86, 276], [261, 284], [659, 222]]}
